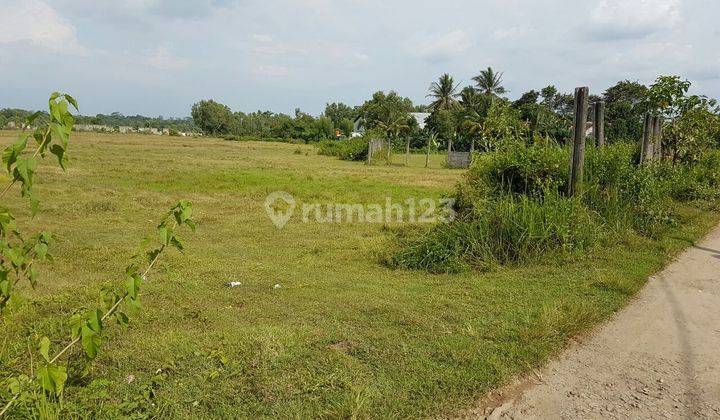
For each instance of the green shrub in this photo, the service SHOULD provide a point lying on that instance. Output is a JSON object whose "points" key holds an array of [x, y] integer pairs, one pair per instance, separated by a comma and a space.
{"points": [[510, 229], [351, 149], [700, 181], [519, 169], [512, 206]]}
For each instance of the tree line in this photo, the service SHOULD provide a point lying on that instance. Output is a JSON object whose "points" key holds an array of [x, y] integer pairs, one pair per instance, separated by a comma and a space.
{"points": [[478, 115], [13, 117]]}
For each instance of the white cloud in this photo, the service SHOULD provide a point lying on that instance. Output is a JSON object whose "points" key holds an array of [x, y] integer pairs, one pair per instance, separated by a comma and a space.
{"points": [[439, 47], [625, 19], [509, 33], [37, 23], [261, 38], [161, 58], [270, 70]]}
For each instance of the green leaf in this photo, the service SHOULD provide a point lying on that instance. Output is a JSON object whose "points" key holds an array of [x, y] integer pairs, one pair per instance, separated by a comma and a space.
{"points": [[72, 101], [177, 243], [58, 151], [24, 169], [164, 234], [11, 154], [90, 341], [32, 275], [16, 257], [34, 203], [59, 132], [76, 323], [52, 378], [55, 112], [132, 285], [41, 250], [94, 320], [5, 286], [133, 306], [122, 318], [45, 348]]}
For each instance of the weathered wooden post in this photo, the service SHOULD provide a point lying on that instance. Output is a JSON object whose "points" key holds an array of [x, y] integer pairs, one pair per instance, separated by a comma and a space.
{"points": [[599, 123], [389, 150], [449, 150], [407, 151], [646, 139], [370, 152], [427, 154], [577, 156], [657, 137]]}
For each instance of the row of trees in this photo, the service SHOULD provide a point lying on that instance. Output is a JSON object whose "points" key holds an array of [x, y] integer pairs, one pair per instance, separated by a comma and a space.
{"points": [[336, 121], [478, 116], [16, 117]]}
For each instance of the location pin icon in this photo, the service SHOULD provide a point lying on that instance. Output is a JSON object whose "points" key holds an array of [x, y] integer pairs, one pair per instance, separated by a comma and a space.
{"points": [[277, 216]]}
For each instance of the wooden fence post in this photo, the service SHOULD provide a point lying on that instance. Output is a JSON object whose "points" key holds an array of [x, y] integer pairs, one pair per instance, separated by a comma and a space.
{"points": [[646, 139], [427, 154], [449, 150], [657, 137], [389, 150], [407, 151], [577, 157], [599, 123]]}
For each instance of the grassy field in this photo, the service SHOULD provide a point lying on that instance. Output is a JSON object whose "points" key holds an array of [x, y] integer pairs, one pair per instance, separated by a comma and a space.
{"points": [[342, 337]]}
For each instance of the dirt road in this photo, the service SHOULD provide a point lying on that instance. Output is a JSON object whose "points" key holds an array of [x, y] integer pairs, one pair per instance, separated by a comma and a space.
{"points": [[658, 358]]}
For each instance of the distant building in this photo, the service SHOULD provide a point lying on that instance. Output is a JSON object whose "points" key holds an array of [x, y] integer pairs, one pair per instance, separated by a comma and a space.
{"points": [[93, 127], [125, 129]]}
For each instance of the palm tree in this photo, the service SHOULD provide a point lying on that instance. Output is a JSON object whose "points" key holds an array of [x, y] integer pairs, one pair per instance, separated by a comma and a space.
{"points": [[489, 82], [443, 93], [470, 98]]}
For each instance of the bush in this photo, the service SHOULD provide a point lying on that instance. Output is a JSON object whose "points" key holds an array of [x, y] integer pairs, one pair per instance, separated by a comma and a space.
{"points": [[512, 206], [351, 149], [510, 229], [516, 169]]}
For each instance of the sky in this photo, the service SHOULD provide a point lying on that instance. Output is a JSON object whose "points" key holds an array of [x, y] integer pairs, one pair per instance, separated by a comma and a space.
{"points": [[158, 57]]}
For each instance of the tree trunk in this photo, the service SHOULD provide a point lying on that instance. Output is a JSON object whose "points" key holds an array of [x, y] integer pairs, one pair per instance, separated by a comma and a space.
{"points": [[389, 150]]}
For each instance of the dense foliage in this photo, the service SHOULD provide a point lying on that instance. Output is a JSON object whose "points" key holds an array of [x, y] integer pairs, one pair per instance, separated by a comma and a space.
{"points": [[512, 207], [352, 149]]}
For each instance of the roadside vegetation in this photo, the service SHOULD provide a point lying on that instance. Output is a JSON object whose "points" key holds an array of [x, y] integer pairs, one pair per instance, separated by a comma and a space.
{"points": [[514, 205]]}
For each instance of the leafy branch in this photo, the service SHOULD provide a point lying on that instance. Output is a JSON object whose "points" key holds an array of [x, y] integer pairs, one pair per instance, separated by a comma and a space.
{"points": [[87, 329], [51, 133]]}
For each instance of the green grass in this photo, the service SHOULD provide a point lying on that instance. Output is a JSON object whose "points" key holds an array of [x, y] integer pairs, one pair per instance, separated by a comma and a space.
{"points": [[343, 336]]}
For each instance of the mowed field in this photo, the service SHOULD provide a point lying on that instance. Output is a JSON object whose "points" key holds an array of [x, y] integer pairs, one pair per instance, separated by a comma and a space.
{"points": [[343, 336]]}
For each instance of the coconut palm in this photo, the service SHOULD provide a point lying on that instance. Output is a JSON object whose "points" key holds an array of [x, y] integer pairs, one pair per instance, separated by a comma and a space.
{"points": [[443, 93], [489, 82], [470, 98]]}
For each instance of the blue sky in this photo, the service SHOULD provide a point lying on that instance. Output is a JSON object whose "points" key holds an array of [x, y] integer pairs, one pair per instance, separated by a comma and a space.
{"points": [[158, 57]]}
